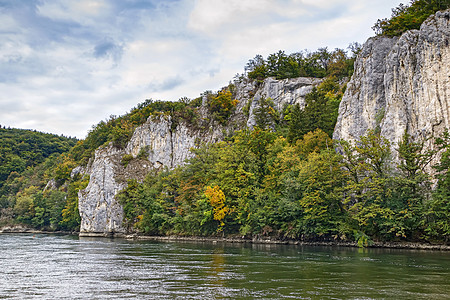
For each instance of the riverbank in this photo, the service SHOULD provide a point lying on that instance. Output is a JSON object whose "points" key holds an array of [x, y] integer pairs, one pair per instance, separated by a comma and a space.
{"points": [[391, 245], [22, 229]]}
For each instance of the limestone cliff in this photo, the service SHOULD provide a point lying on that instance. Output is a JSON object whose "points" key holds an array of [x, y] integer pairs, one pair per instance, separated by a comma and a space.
{"points": [[162, 142], [155, 144], [98, 208], [399, 84]]}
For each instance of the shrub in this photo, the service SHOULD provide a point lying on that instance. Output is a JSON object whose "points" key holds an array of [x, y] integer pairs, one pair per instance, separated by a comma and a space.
{"points": [[126, 159]]}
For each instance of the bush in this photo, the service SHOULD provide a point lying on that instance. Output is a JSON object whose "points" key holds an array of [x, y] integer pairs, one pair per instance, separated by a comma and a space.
{"points": [[126, 159], [222, 105]]}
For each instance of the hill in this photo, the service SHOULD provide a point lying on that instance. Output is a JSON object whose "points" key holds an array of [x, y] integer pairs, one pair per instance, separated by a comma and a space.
{"points": [[21, 149]]}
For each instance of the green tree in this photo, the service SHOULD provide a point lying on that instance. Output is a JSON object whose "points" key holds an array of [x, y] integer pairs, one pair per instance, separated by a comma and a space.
{"points": [[407, 17], [265, 114], [256, 68], [24, 208], [438, 212], [321, 180], [369, 188], [412, 185], [320, 111], [70, 215]]}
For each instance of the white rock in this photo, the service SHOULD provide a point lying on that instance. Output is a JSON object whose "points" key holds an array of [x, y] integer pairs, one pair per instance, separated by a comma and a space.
{"points": [[99, 210]]}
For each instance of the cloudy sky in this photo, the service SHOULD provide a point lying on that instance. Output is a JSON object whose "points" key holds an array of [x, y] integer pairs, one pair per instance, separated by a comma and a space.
{"points": [[65, 65]]}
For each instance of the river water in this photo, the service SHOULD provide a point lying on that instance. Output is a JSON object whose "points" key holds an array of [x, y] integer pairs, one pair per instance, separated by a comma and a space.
{"points": [[69, 267]]}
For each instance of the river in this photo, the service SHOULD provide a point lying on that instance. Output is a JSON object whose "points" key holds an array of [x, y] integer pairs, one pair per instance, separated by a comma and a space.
{"points": [[68, 267]]}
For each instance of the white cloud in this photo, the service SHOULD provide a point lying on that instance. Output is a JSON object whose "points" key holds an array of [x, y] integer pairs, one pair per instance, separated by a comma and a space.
{"points": [[210, 15], [81, 11]]}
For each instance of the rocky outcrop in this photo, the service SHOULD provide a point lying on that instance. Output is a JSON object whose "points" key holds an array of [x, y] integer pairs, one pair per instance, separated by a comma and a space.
{"points": [[100, 212], [400, 84], [282, 92], [160, 142], [364, 100], [165, 144]]}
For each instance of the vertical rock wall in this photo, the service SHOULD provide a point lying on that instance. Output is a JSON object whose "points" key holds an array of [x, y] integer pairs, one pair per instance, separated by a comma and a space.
{"points": [[364, 100], [417, 81], [100, 212], [400, 84]]}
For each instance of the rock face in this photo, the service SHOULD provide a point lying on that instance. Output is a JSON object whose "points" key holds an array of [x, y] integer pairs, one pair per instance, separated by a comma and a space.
{"points": [[161, 143], [153, 145], [166, 145], [400, 84], [100, 212], [286, 91], [364, 99]]}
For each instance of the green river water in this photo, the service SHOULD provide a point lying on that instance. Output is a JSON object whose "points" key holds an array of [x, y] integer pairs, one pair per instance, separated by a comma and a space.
{"points": [[68, 267]]}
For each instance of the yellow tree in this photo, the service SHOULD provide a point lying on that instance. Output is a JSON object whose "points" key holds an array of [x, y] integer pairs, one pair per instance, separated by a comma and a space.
{"points": [[216, 198]]}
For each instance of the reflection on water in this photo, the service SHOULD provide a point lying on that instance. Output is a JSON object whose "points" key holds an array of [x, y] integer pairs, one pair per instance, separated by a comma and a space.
{"points": [[216, 272], [51, 266]]}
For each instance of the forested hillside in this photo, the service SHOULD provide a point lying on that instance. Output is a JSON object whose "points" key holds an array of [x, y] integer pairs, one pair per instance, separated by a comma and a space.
{"points": [[260, 184], [27, 161], [20, 149]]}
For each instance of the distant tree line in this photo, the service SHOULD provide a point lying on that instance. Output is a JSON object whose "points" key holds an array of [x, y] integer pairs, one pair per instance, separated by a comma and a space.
{"points": [[319, 64]]}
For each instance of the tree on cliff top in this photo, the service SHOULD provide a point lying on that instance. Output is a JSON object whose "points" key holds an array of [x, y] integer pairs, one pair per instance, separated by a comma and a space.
{"points": [[407, 17]]}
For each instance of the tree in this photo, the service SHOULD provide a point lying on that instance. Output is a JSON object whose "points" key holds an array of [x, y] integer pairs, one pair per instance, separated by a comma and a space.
{"points": [[370, 186], [320, 111], [407, 17], [222, 105], [265, 114], [321, 180], [256, 68], [70, 215], [438, 212], [412, 185], [374, 149], [24, 208], [216, 199]]}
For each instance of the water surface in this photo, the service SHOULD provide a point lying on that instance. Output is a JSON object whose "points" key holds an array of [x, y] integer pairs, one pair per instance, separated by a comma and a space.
{"points": [[54, 266]]}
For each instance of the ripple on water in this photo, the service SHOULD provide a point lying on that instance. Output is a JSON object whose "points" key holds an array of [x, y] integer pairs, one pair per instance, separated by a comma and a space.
{"points": [[50, 266]]}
